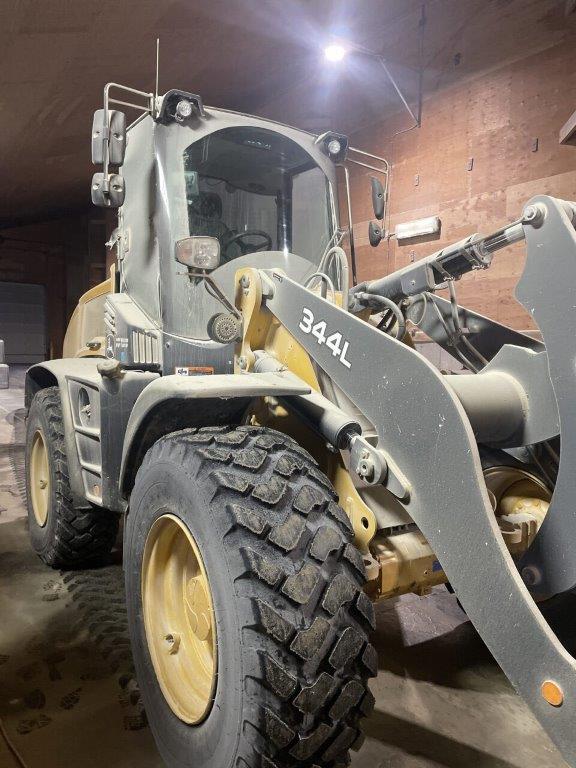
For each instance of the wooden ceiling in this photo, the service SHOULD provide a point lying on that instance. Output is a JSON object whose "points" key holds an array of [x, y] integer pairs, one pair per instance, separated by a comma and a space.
{"points": [[250, 55]]}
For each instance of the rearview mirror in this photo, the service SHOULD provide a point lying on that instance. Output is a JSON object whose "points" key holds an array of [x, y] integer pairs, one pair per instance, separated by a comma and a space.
{"points": [[113, 197], [114, 133], [374, 234], [377, 198]]}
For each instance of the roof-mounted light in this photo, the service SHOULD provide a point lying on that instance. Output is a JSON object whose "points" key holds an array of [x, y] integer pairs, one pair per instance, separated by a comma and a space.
{"points": [[335, 145], [184, 109], [180, 105]]}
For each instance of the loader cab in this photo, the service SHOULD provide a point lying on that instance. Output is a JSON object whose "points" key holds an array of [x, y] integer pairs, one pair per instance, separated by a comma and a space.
{"points": [[257, 191], [265, 193]]}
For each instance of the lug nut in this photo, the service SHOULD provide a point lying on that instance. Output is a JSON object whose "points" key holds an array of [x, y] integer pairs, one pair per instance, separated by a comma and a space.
{"points": [[173, 640]]}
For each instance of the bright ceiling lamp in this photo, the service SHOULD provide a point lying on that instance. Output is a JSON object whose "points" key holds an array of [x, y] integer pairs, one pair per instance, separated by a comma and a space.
{"points": [[335, 52]]}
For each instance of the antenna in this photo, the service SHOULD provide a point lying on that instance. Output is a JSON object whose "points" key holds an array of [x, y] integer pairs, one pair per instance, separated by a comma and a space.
{"points": [[157, 69]]}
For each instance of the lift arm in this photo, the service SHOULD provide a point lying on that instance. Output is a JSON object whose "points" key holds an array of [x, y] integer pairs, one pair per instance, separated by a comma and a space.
{"points": [[429, 448]]}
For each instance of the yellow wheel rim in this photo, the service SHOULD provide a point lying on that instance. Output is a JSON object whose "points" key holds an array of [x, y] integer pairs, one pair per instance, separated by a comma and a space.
{"points": [[39, 478], [179, 619]]}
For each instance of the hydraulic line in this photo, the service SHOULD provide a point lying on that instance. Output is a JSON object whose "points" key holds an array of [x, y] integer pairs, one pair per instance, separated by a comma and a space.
{"points": [[459, 331], [383, 303], [432, 272]]}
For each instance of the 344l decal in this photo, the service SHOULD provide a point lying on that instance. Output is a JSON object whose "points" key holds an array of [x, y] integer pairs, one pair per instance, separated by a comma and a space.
{"points": [[334, 341]]}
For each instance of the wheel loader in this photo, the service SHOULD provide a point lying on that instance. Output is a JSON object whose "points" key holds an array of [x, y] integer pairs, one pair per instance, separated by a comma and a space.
{"points": [[282, 455]]}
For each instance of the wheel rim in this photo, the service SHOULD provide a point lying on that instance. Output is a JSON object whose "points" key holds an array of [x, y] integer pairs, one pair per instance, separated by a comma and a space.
{"points": [[179, 619], [39, 478]]}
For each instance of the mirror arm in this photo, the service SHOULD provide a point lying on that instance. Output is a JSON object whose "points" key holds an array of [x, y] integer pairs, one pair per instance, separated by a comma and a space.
{"points": [[106, 129]]}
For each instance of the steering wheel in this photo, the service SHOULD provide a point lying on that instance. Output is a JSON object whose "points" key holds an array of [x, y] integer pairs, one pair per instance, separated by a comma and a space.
{"points": [[249, 247]]}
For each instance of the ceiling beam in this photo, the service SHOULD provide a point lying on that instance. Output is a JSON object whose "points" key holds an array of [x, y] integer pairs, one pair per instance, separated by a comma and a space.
{"points": [[568, 131]]}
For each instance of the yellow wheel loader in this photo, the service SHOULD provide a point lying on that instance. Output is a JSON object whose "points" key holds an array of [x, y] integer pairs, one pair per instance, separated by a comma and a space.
{"points": [[282, 454]]}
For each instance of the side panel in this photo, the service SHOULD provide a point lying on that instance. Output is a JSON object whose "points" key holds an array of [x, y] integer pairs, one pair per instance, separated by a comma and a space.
{"points": [[95, 411], [87, 322], [138, 247], [100, 411]]}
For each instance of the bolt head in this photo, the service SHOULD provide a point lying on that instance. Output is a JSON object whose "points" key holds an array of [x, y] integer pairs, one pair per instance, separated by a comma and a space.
{"points": [[365, 468], [533, 214], [531, 576]]}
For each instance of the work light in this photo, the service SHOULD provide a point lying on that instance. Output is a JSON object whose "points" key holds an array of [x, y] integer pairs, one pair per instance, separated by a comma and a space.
{"points": [[334, 147], [198, 252], [183, 109]]}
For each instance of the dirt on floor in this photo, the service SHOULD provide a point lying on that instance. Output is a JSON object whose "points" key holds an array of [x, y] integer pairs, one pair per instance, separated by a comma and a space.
{"points": [[68, 696]]}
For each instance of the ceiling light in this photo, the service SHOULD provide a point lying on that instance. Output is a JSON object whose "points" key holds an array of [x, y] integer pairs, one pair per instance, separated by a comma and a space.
{"points": [[335, 52]]}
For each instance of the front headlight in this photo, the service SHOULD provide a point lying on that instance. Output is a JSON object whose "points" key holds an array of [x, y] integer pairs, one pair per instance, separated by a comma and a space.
{"points": [[198, 252]]}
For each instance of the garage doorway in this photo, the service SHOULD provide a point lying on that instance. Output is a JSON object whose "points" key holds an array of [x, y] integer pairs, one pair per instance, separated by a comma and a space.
{"points": [[23, 322]]}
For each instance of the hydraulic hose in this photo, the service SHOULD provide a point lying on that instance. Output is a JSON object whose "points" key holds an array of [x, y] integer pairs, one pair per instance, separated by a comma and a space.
{"points": [[383, 303]]}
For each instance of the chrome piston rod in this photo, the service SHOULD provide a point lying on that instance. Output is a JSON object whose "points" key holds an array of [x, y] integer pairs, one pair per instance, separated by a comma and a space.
{"points": [[432, 272]]}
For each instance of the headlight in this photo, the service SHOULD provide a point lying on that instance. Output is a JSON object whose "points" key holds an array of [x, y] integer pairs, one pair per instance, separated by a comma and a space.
{"points": [[198, 252]]}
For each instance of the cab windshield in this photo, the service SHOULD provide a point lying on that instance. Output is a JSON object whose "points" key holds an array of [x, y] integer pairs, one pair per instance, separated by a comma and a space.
{"points": [[257, 190]]}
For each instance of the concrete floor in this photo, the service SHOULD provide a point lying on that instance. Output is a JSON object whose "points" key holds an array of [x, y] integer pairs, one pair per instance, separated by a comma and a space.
{"points": [[68, 696]]}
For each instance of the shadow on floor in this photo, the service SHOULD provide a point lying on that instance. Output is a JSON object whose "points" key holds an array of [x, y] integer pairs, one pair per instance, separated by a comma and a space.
{"points": [[419, 741]]}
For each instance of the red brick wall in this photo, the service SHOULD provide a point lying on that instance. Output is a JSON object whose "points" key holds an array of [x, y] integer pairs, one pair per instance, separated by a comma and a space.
{"points": [[492, 118]]}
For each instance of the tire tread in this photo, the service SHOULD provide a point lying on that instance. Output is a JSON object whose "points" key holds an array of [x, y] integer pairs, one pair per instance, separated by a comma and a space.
{"points": [[307, 615]]}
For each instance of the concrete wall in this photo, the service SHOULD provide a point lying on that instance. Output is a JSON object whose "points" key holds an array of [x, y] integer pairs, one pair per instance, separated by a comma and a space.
{"points": [[492, 119]]}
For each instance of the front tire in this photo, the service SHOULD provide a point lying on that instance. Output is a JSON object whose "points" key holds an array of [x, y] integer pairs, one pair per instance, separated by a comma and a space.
{"points": [[291, 621]]}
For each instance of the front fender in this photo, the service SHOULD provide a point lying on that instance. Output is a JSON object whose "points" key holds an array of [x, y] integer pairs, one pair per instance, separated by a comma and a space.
{"points": [[171, 403]]}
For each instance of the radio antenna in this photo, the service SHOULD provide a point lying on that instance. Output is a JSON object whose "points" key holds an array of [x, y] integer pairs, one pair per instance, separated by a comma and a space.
{"points": [[157, 69]]}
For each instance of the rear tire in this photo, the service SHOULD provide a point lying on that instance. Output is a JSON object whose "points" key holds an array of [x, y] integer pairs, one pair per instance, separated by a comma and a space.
{"points": [[63, 535], [292, 621]]}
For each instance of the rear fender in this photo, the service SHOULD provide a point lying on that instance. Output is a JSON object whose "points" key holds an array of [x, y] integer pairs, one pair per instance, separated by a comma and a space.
{"points": [[95, 412], [55, 373]]}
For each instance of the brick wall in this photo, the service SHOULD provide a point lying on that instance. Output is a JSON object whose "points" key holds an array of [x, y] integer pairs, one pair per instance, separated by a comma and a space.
{"points": [[492, 118]]}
